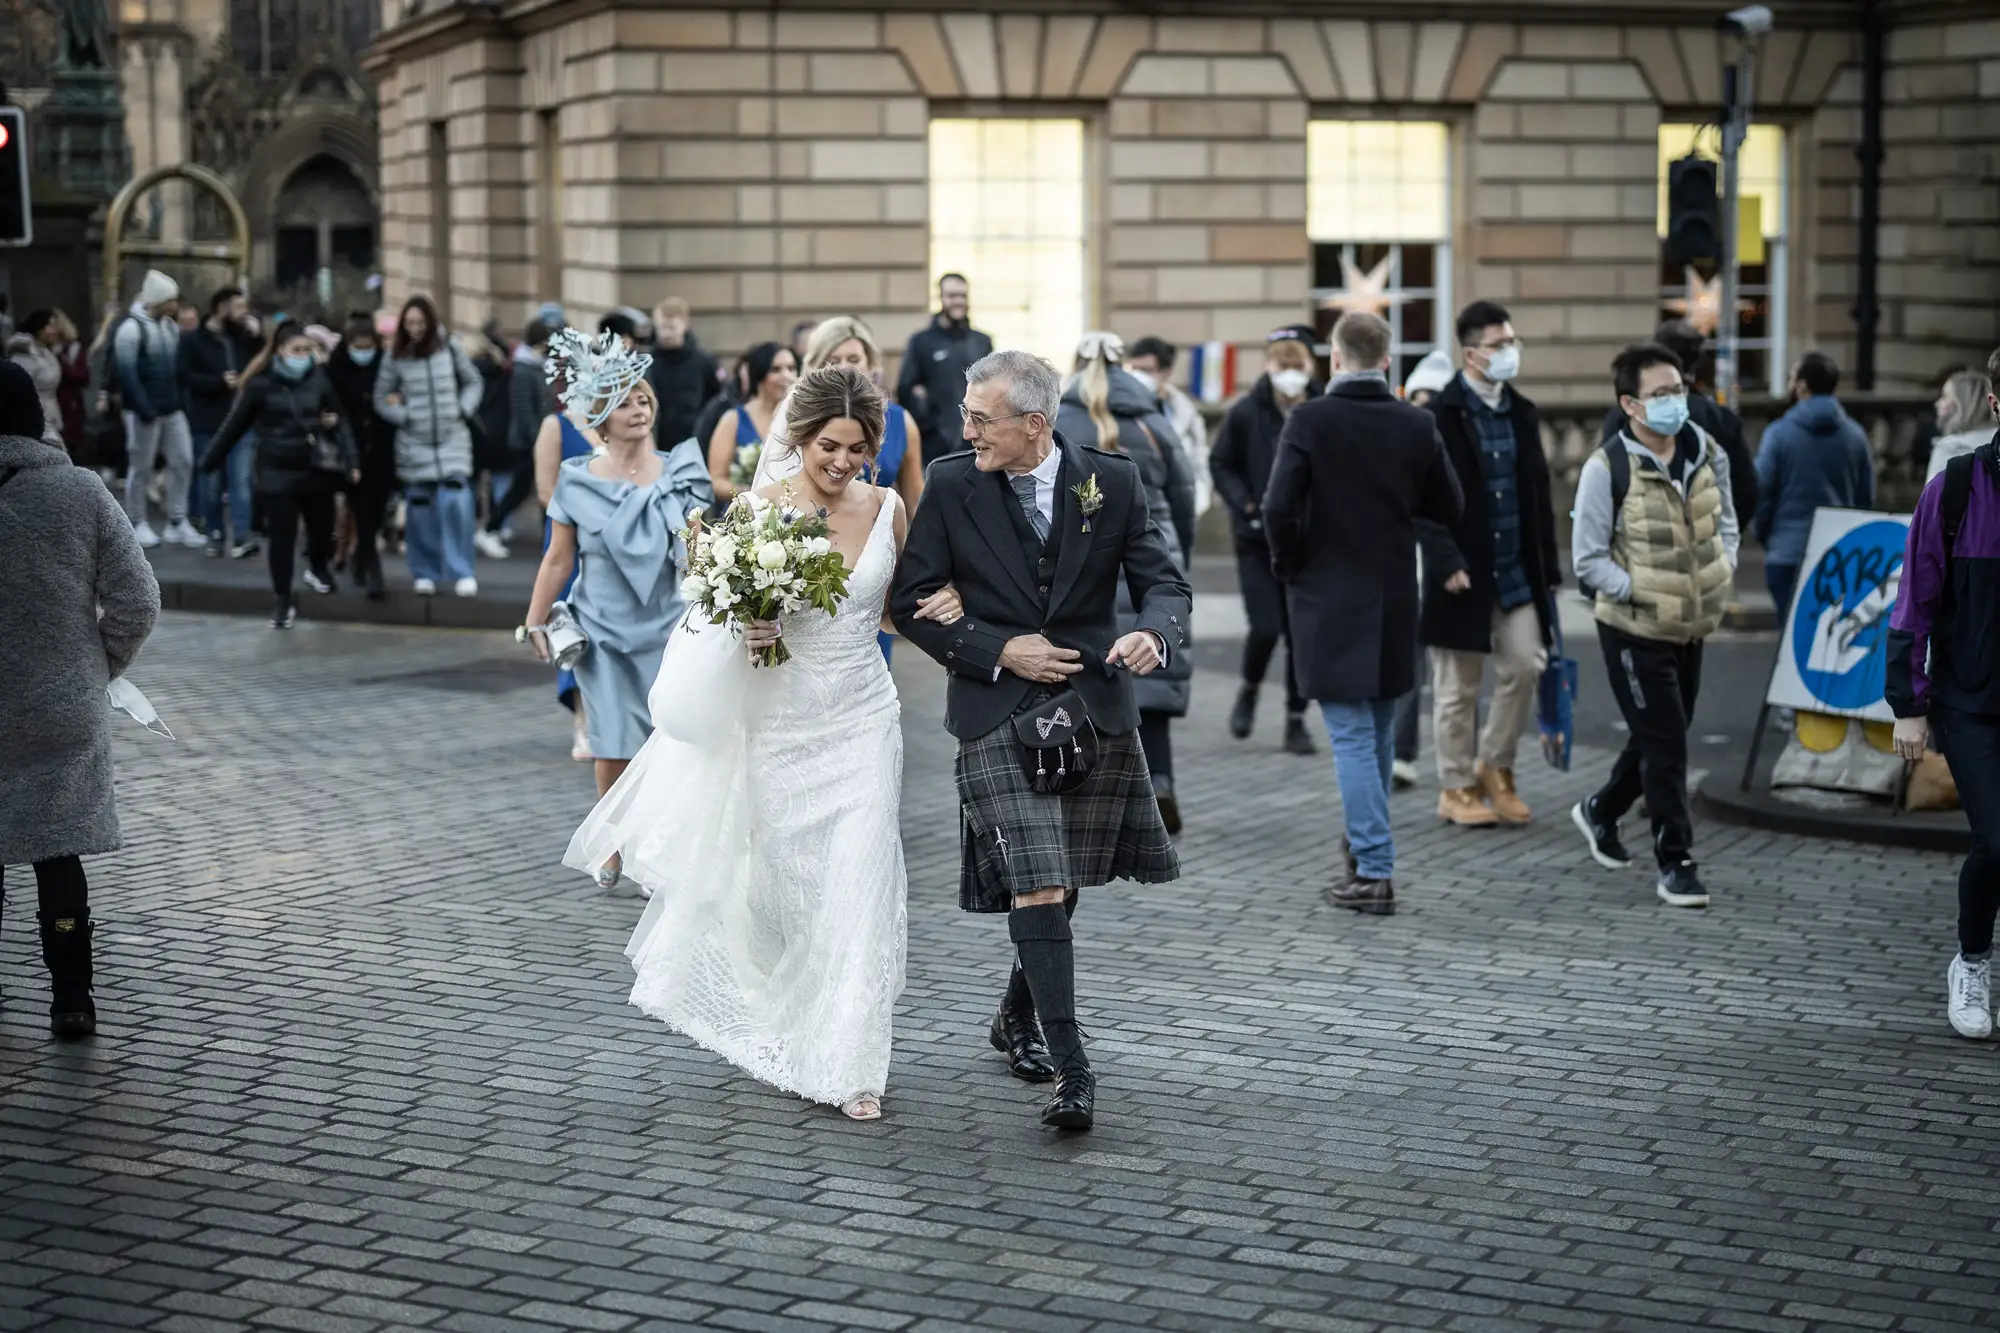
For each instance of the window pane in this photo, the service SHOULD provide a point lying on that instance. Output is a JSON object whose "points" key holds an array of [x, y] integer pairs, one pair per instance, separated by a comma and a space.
{"points": [[1375, 180], [1760, 167], [1007, 211]]}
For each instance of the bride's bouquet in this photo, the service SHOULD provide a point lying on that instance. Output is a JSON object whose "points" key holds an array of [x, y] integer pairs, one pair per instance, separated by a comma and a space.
{"points": [[759, 561]]}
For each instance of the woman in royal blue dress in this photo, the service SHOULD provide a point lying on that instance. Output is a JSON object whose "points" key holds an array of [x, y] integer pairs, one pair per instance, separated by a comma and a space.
{"points": [[771, 374], [846, 341]]}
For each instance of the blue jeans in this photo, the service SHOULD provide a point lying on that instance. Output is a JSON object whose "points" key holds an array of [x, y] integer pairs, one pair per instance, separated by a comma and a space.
{"points": [[1781, 579], [1362, 733], [437, 530], [232, 483]]}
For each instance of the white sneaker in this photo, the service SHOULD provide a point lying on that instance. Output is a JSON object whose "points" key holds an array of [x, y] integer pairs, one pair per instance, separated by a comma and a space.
{"points": [[144, 532], [425, 587], [489, 545], [465, 588], [1403, 774], [1969, 996], [183, 534]]}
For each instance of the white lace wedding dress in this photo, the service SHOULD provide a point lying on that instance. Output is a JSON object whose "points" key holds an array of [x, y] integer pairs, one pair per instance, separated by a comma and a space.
{"points": [[762, 814]]}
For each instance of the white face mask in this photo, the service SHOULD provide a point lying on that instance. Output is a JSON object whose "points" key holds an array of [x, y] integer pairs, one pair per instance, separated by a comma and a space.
{"points": [[1290, 383], [1146, 378], [1503, 364]]}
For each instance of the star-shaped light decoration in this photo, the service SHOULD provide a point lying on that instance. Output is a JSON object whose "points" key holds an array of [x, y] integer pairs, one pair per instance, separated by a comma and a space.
{"points": [[1702, 306], [1361, 291]]}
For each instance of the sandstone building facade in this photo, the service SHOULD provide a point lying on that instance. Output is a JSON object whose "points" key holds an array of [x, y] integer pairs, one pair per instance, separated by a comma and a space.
{"points": [[1204, 173]]}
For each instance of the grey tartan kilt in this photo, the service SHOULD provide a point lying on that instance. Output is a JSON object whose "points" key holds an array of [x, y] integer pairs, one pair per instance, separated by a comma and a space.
{"points": [[1014, 840]]}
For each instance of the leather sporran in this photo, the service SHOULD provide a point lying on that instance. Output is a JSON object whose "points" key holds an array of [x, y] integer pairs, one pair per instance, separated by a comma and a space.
{"points": [[1059, 747]]}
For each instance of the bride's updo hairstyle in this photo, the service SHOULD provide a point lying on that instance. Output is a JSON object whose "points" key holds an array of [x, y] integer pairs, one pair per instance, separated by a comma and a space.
{"points": [[828, 394]]}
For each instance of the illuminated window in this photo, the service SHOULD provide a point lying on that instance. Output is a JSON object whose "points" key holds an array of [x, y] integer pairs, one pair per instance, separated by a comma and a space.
{"points": [[1694, 291], [1378, 215], [1007, 211]]}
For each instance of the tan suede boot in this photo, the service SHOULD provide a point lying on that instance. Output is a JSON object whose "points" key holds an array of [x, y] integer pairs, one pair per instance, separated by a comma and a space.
{"points": [[1497, 785], [1462, 806]]}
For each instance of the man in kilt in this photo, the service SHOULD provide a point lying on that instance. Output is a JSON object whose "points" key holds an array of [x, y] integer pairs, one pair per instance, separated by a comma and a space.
{"points": [[1041, 537]]}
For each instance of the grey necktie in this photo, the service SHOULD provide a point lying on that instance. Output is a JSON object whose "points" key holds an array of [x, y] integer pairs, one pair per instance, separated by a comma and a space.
{"points": [[1024, 491]]}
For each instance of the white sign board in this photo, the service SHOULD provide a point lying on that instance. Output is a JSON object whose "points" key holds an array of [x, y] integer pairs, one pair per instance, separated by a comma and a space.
{"points": [[1834, 654]]}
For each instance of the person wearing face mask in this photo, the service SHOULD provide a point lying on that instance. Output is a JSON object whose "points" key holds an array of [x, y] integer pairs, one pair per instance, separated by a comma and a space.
{"points": [[305, 453], [1655, 541], [1151, 362], [1240, 465], [352, 370], [1490, 578]]}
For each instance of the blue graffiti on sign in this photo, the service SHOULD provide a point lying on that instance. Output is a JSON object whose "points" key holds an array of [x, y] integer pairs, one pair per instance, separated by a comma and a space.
{"points": [[1840, 620]]}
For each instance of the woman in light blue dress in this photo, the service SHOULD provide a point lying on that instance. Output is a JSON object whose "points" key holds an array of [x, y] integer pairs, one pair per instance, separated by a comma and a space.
{"points": [[615, 518]]}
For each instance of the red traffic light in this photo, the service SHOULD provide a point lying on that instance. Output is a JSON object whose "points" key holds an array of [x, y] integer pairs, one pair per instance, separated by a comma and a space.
{"points": [[6, 135]]}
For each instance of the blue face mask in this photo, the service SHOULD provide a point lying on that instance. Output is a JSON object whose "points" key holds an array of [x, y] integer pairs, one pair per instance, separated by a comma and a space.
{"points": [[295, 367], [1667, 415], [361, 356]]}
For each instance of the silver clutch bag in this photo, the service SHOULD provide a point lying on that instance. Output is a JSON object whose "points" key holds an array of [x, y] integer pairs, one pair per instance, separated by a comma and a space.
{"points": [[567, 641]]}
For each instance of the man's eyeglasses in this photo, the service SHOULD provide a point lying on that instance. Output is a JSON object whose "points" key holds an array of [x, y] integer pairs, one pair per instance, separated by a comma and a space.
{"points": [[1500, 346], [981, 424]]}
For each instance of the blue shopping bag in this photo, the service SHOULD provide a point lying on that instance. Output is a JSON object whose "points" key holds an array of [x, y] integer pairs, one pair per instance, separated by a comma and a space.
{"points": [[1556, 701]]}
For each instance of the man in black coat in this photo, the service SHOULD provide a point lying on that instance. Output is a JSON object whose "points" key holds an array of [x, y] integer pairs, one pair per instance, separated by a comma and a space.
{"points": [[1042, 538], [1490, 578], [1356, 470], [1684, 340], [931, 383], [684, 376], [212, 360]]}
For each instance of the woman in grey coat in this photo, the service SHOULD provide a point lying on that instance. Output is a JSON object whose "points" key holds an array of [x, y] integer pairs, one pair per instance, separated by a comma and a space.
{"points": [[66, 550], [430, 391], [1105, 407]]}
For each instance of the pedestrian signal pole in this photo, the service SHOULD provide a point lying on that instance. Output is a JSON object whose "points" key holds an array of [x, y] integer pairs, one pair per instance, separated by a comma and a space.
{"points": [[1749, 25], [17, 214]]}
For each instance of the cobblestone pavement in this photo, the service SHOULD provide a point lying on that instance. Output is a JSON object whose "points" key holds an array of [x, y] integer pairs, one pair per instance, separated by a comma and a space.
{"points": [[367, 1063]]}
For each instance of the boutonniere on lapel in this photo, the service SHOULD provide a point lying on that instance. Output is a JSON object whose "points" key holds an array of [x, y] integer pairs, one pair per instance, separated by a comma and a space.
{"points": [[1088, 499]]}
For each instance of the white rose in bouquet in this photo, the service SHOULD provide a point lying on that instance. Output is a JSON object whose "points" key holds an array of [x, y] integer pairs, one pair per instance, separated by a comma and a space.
{"points": [[771, 555], [694, 588], [817, 547], [722, 552]]}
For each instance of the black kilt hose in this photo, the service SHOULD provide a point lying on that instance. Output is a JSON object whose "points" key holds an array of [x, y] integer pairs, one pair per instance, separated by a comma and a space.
{"points": [[1014, 840]]}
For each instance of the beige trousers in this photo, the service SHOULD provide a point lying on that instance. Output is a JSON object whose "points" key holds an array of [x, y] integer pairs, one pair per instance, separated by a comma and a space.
{"points": [[1518, 659]]}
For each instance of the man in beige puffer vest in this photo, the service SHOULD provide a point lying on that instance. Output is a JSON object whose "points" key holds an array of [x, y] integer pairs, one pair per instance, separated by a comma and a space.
{"points": [[1661, 562]]}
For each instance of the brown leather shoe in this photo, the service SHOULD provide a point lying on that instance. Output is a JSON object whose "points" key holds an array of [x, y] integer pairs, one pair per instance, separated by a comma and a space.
{"points": [[1497, 786], [1370, 897], [1463, 806]]}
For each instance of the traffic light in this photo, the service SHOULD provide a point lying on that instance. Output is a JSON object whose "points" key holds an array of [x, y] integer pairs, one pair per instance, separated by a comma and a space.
{"points": [[1694, 217], [17, 224]]}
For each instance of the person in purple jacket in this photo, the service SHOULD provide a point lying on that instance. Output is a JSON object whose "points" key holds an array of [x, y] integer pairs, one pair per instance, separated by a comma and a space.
{"points": [[1943, 685]]}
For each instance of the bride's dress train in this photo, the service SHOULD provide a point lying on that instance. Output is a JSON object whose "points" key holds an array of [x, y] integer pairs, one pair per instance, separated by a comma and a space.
{"points": [[762, 815]]}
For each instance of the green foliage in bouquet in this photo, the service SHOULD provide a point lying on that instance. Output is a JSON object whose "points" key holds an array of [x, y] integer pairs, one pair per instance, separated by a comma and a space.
{"points": [[762, 561], [743, 468]]}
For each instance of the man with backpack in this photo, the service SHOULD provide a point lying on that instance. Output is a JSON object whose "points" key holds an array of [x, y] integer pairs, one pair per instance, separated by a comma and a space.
{"points": [[1654, 541], [1943, 684]]}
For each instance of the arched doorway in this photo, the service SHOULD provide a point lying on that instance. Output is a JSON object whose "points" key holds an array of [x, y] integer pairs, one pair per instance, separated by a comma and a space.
{"points": [[324, 221]]}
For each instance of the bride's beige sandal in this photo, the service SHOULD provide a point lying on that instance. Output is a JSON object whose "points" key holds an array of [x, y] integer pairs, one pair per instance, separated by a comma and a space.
{"points": [[865, 1107]]}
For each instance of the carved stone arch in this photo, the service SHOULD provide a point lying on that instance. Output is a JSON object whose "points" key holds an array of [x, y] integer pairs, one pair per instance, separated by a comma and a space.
{"points": [[349, 139]]}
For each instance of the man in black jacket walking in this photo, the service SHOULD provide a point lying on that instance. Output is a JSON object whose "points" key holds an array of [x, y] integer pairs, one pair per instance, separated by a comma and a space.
{"points": [[1489, 578], [931, 384], [212, 359], [1356, 470], [684, 376]]}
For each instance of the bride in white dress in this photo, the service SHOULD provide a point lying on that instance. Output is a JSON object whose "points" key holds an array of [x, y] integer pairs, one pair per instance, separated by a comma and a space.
{"points": [[762, 814]]}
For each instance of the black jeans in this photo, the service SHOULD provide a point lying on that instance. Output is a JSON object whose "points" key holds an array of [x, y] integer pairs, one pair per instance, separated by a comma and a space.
{"points": [[507, 497], [60, 888], [1655, 684], [369, 503], [1970, 743], [1264, 608], [282, 512]]}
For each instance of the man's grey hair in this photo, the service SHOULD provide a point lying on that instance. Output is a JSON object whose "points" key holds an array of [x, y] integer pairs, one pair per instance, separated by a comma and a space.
{"points": [[1032, 383]]}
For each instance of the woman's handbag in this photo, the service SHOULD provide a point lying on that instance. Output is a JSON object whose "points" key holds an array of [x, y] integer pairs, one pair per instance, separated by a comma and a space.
{"points": [[567, 641], [1059, 747]]}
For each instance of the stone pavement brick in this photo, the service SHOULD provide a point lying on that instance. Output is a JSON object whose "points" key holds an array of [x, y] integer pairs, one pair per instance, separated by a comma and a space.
{"points": [[367, 1063]]}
